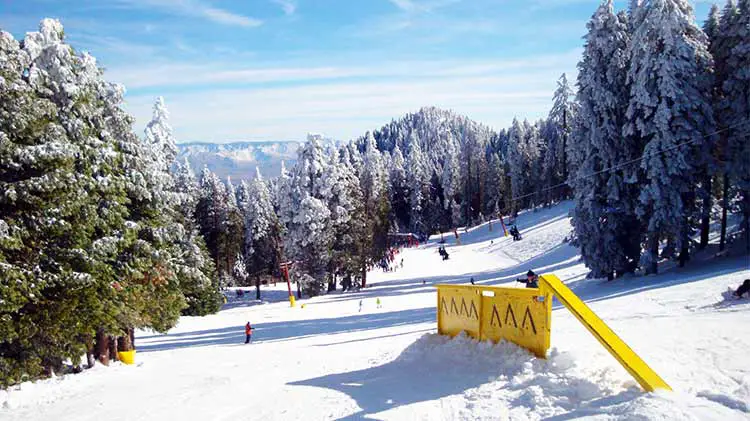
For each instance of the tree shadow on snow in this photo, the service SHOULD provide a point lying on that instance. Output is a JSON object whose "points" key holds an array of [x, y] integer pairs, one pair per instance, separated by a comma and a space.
{"points": [[284, 331], [248, 299], [595, 290]]}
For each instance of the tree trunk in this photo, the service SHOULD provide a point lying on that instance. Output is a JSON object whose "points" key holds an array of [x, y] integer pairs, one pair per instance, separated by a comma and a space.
{"points": [[101, 347], [653, 247], [332, 283], [299, 291], [706, 216], [684, 256], [113, 348], [124, 343], [90, 358], [257, 287], [724, 206], [364, 277]]}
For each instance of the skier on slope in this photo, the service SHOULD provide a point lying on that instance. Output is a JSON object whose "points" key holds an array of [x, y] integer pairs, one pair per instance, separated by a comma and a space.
{"points": [[531, 281], [248, 332], [743, 289], [515, 233]]}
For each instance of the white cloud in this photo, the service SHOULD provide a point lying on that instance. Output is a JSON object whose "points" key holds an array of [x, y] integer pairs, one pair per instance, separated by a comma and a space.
{"points": [[227, 18], [288, 6], [170, 75], [490, 92], [405, 5], [198, 9]]}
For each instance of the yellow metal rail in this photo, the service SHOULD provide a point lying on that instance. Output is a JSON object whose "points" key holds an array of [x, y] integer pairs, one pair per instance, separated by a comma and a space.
{"points": [[643, 374]]}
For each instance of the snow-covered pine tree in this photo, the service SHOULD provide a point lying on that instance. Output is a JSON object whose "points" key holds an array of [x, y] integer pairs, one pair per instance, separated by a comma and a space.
{"points": [[213, 216], [516, 164], [306, 217], [534, 150], [495, 197], [735, 112], [186, 188], [551, 168], [190, 260], [281, 185], [39, 182], [398, 188], [262, 246], [201, 292], [561, 115], [373, 178], [242, 194], [604, 218], [234, 227], [343, 195], [670, 113], [451, 180], [418, 183], [99, 261], [159, 133], [239, 271], [717, 28], [711, 29]]}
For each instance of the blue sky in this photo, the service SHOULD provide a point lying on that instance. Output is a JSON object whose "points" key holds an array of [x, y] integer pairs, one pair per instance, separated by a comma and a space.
{"points": [[277, 69]]}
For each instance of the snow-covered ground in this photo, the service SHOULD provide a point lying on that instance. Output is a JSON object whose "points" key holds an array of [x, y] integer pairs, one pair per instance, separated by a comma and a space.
{"points": [[328, 360]]}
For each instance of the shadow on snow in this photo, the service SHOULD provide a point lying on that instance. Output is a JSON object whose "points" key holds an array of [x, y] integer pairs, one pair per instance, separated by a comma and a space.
{"points": [[285, 331]]}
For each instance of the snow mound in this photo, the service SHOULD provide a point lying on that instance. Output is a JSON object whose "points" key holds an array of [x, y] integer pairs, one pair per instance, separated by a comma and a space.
{"points": [[524, 387], [481, 380]]}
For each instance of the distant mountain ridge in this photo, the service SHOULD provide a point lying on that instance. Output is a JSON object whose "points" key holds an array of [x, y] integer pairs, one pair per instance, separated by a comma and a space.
{"points": [[239, 159]]}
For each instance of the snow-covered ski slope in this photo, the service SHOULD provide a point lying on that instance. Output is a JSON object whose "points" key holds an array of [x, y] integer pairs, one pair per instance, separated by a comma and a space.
{"points": [[330, 361]]}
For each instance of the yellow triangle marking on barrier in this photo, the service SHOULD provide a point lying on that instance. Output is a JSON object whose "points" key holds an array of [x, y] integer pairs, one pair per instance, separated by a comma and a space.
{"points": [[495, 315], [464, 309], [454, 307], [474, 311], [509, 310], [531, 320]]}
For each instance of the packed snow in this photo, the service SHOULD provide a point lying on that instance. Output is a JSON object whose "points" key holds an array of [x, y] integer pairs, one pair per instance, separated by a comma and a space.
{"points": [[329, 360]]}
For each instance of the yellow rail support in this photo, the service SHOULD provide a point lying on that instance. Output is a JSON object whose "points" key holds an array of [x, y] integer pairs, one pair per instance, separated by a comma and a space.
{"points": [[643, 374]]}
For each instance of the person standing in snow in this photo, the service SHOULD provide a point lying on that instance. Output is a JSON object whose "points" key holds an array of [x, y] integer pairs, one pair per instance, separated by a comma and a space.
{"points": [[531, 281], [248, 332], [378, 303], [360, 306], [471, 280]]}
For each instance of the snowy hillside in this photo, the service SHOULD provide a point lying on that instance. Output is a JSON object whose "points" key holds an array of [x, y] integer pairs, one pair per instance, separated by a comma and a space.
{"points": [[239, 159], [329, 360]]}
